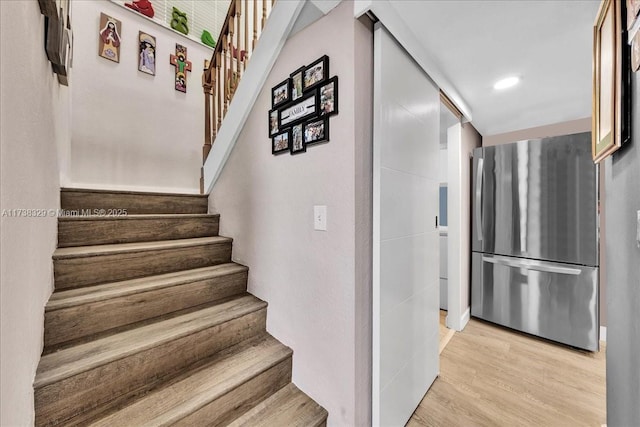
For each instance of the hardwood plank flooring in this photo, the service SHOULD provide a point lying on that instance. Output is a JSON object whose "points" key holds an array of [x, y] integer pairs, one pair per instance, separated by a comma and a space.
{"points": [[493, 376]]}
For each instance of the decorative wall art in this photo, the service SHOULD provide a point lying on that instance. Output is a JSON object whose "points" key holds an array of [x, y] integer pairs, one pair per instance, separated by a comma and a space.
{"points": [[316, 131], [611, 81], [297, 142], [280, 94], [296, 84], [179, 60], [273, 123], [110, 33], [301, 107], [179, 21], [329, 97], [207, 38], [58, 37], [280, 142], [146, 53], [316, 73], [144, 7]]}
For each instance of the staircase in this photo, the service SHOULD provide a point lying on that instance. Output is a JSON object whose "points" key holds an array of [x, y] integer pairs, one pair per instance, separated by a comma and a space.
{"points": [[150, 323]]}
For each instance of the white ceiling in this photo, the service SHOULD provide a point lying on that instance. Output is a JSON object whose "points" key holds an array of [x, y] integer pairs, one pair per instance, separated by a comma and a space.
{"points": [[547, 43]]}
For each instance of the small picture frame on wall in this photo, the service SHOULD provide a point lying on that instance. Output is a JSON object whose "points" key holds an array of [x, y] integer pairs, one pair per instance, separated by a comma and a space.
{"points": [[273, 123], [297, 140], [316, 73], [109, 38], [146, 53], [296, 79], [328, 102], [281, 142], [610, 122], [280, 94], [316, 131]]}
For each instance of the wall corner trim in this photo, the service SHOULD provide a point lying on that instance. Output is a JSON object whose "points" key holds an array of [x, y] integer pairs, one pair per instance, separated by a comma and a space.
{"points": [[275, 33]]}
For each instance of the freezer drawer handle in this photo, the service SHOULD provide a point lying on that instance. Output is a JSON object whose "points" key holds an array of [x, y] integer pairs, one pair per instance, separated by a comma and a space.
{"points": [[479, 174], [546, 268]]}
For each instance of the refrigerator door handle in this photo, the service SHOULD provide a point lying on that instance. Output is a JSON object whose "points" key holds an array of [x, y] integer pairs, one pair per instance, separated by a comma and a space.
{"points": [[542, 266], [478, 213]]}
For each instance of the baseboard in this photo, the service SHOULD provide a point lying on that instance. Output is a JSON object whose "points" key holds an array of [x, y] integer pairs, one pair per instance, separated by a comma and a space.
{"points": [[464, 319], [603, 333]]}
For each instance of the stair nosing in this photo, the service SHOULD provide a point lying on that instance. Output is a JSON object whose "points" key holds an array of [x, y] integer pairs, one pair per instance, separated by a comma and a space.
{"points": [[125, 248], [59, 301], [253, 304], [133, 217], [263, 407], [196, 402], [132, 192]]}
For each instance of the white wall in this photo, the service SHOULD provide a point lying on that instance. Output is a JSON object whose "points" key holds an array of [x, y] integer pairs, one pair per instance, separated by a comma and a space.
{"points": [[314, 281], [623, 276], [33, 125], [459, 217], [132, 130]]}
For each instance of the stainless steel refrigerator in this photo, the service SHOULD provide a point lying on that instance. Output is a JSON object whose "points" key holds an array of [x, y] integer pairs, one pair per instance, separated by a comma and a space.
{"points": [[535, 238]]}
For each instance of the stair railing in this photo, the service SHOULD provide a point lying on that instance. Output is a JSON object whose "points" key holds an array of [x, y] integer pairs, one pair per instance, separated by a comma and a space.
{"points": [[237, 40]]}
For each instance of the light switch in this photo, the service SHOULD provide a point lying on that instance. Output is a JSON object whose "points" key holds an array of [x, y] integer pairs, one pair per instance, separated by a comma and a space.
{"points": [[320, 218], [638, 230]]}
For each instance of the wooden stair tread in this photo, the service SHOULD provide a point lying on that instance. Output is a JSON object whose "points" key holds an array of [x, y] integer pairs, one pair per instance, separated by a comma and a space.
{"points": [[72, 361], [74, 297], [135, 217], [131, 192], [121, 248], [288, 407], [222, 373]]}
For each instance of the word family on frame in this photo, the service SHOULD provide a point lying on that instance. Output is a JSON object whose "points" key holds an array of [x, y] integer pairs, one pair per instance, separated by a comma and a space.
{"points": [[301, 106]]}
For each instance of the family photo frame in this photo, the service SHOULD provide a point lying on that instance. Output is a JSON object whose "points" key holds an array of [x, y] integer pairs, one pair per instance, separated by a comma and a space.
{"points": [[316, 73], [280, 94], [301, 106]]}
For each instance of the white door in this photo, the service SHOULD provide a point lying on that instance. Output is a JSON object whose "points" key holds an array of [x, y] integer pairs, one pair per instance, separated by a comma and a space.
{"points": [[405, 237]]}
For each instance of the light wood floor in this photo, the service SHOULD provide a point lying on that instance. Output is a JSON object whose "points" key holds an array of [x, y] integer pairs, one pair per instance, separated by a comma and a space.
{"points": [[491, 376]]}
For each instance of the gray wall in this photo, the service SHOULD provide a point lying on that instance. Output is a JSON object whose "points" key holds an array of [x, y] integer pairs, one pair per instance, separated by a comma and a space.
{"points": [[622, 186], [33, 125]]}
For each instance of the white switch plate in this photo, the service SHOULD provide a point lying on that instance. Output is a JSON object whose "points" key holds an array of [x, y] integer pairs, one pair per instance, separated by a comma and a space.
{"points": [[320, 218]]}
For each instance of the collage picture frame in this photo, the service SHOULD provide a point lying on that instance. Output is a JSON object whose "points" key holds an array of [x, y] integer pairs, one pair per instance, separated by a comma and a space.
{"points": [[301, 106]]}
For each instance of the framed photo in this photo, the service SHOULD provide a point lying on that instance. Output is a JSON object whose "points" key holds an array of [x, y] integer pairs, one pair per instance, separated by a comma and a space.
{"points": [[302, 109], [109, 38], [316, 73], [146, 53], [296, 79], [316, 131], [610, 125], [297, 140], [280, 94], [328, 100], [281, 142], [273, 123]]}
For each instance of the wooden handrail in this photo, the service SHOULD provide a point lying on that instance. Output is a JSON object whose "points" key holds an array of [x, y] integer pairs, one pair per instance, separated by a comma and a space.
{"points": [[222, 74]]}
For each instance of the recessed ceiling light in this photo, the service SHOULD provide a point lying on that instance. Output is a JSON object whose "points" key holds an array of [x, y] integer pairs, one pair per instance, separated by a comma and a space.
{"points": [[506, 83]]}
